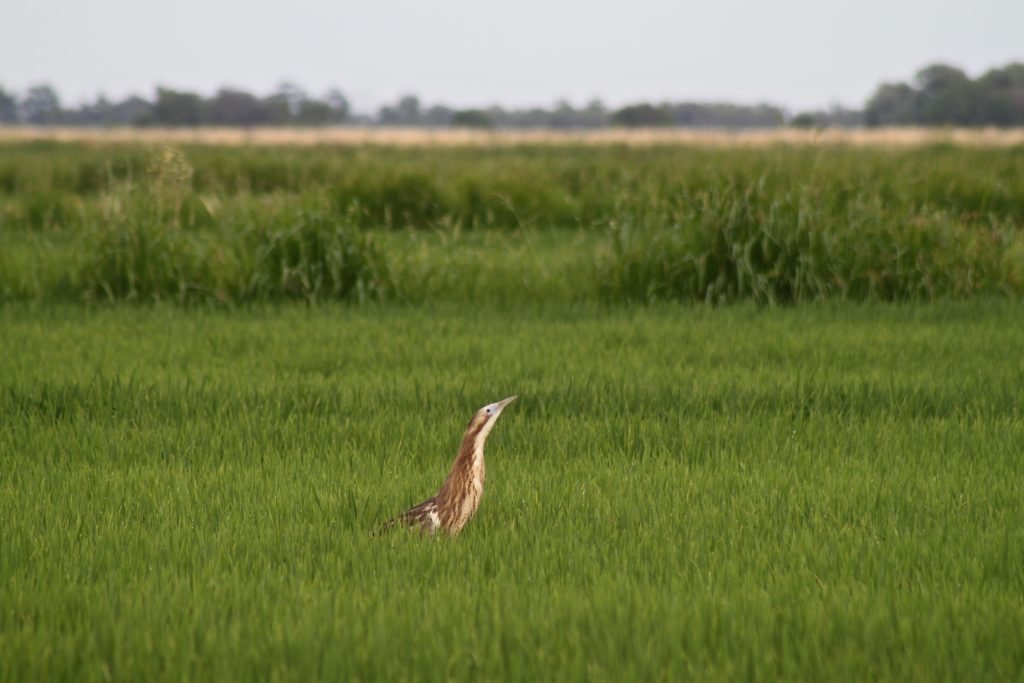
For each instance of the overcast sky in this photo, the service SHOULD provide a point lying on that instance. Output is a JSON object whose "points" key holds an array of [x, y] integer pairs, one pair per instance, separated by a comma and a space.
{"points": [[796, 53]]}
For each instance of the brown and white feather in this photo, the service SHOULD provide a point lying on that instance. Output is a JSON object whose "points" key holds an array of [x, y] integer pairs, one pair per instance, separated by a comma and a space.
{"points": [[460, 495]]}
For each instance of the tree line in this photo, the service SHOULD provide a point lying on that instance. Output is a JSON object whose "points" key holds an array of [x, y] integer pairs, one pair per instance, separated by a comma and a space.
{"points": [[938, 94], [944, 95]]}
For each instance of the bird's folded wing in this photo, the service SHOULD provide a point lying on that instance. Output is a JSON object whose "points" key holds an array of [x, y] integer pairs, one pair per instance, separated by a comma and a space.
{"points": [[423, 516]]}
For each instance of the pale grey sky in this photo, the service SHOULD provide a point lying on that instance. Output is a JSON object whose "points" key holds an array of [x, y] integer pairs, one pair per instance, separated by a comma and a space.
{"points": [[796, 53]]}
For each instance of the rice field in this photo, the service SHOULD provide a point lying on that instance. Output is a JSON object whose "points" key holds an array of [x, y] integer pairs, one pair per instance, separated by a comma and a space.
{"points": [[822, 493], [769, 423]]}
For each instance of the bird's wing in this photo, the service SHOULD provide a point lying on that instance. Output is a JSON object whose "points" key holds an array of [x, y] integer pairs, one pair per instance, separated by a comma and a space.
{"points": [[423, 516]]}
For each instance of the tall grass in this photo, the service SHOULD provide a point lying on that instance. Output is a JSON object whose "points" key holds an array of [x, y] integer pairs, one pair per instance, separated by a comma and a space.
{"points": [[552, 186], [158, 240], [774, 225], [744, 242], [311, 255], [825, 493], [304, 255]]}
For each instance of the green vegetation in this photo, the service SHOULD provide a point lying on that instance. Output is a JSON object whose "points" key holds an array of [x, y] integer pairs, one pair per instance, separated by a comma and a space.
{"points": [[941, 94], [822, 493], [190, 462], [772, 225]]}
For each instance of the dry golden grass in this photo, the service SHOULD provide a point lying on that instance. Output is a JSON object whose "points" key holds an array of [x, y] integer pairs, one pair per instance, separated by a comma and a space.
{"points": [[419, 137]]}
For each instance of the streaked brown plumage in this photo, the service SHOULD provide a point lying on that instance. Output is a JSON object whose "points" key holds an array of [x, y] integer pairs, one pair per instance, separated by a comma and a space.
{"points": [[460, 495]]}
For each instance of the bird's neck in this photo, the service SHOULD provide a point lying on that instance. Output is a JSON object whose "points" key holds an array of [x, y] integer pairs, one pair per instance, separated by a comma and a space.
{"points": [[467, 474], [471, 452]]}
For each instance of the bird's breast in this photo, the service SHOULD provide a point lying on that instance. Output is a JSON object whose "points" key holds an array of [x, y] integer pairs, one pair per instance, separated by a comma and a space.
{"points": [[470, 498]]}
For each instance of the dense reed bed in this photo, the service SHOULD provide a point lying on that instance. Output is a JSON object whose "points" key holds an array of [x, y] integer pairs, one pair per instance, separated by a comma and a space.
{"points": [[775, 225]]}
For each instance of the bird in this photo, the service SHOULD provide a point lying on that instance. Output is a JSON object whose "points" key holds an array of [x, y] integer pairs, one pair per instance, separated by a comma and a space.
{"points": [[459, 497]]}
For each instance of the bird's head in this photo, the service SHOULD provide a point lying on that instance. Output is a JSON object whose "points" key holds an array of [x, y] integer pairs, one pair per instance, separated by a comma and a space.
{"points": [[485, 418]]}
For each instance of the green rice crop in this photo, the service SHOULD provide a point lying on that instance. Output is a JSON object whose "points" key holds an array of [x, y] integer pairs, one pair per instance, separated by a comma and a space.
{"points": [[827, 492]]}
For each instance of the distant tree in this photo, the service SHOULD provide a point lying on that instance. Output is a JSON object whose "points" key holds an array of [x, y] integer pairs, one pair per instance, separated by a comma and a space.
{"points": [[41, 106], [279, 112], [563, 116], [528, 118], [723, 115], [409, 108], [1009, 77], [131, 111], [642, 115], [101, 110], [1002, 95], [939, 94], [339, 105], [406, 112], [231, 107], [945, 95], [472, 118], [174, 108], [497, 117], [8, 107], [292, 95], [835, 116], [893, 104], [594, 115], [313, 113], [804, 120], [937, 79], [438, 116], [87, 114]]}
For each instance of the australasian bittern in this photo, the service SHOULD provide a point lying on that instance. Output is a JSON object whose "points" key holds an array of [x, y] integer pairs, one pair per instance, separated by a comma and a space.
{"points": [[460, 495]]}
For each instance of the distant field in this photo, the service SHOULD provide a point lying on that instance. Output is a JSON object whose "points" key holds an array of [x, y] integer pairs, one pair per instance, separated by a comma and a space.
{"points": [[827, 493], [773, 224], [418, 137]]}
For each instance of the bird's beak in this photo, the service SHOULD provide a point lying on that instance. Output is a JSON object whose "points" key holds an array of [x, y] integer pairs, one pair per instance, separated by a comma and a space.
{"points": [[502, 404]]}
